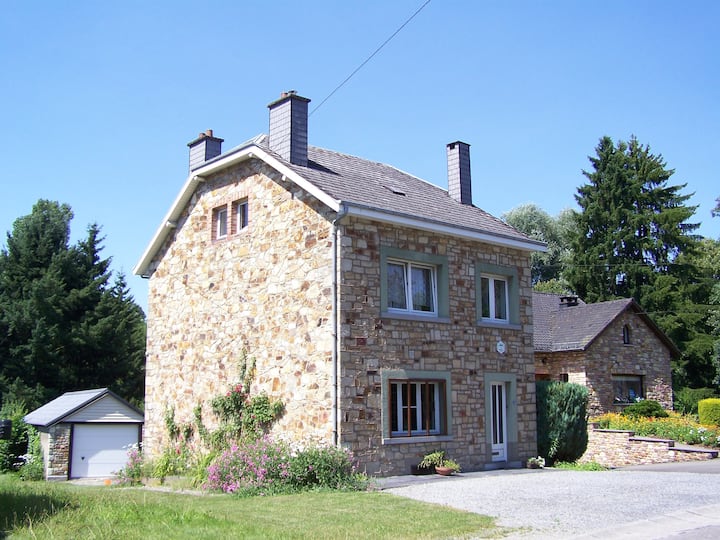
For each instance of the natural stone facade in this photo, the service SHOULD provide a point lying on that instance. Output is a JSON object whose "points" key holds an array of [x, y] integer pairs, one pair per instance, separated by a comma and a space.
{"points": [[268, 289], [646, 355], [55, 444]]}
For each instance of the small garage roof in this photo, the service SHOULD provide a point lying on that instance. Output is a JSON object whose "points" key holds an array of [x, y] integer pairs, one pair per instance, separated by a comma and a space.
{"points": [[69, 403]]}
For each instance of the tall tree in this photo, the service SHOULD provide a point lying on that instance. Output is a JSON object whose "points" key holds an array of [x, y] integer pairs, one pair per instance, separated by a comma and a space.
{"points": [[632, 224], [63, 325]]}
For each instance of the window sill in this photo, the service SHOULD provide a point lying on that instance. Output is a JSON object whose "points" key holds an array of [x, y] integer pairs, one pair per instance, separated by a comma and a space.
{"points": [[493, 324], [411, 317], [422, 439]]}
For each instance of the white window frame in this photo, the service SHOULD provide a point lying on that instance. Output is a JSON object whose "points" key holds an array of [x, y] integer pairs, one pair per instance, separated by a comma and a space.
{"points": [[399, 415], [491, 279], [241, 214], [221, 222], [408, 267]]}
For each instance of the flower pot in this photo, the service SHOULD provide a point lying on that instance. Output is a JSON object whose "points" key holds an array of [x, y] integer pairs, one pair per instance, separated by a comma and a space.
{"points": [[444, 471]]}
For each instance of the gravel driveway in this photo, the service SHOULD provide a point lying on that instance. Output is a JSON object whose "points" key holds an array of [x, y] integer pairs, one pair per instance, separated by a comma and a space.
{"points": [[553, 503]]}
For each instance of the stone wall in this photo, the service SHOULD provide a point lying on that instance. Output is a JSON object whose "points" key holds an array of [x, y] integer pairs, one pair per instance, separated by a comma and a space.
{"points": [[268, 289], [372, 343], [265, 289], [57, 460], [646, 355], [619, 448]]}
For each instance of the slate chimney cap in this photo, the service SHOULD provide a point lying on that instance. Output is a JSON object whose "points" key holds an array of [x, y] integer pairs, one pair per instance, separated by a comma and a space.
{"points": [[289, 94]]}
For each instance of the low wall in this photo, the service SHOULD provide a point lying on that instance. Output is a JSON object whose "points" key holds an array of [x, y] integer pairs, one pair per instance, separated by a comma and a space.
{"points": [[618, 448]]}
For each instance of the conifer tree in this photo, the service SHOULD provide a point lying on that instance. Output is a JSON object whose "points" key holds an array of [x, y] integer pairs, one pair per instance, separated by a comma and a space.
{"points": [[63, 325], [632, 224]]}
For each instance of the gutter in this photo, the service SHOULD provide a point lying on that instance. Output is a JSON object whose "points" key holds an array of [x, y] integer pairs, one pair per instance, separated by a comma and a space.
{"points": [[342, 212]]}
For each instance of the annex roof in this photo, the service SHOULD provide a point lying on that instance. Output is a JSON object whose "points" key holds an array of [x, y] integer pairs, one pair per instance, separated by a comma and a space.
{"points": [[356, 186], [562, 327], [67, 404]]}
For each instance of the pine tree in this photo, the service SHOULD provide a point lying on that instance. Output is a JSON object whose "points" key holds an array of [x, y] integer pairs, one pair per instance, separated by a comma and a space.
{"points": [[632, 224], [63, 326]]}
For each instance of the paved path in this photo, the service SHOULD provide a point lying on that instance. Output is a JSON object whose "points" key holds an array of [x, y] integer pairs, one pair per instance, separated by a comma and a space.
{"points": [[673, 501]]}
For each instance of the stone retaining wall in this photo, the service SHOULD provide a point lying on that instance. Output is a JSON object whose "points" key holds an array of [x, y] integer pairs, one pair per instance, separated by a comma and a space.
{"points": [[618, 448]]}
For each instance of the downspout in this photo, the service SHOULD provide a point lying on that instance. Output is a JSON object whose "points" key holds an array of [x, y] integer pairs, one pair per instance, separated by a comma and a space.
{"points": [[342, 212]]}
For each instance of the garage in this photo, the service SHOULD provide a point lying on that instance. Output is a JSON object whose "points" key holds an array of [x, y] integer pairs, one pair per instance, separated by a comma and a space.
{"points": [[86, 434]]}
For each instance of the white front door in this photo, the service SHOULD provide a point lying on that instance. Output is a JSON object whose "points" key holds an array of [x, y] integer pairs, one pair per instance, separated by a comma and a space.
{"points": [[101, 450], [498, 421]]}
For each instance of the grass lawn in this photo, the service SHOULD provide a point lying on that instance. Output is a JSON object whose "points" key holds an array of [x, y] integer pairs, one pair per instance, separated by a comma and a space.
{"points": [[60, 510]]}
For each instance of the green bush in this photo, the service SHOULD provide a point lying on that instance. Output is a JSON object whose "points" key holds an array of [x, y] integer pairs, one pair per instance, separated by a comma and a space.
{"points": [[33, 467], [686, 399], [709, 411], [561, 420], [646, 408], [11, 450]]}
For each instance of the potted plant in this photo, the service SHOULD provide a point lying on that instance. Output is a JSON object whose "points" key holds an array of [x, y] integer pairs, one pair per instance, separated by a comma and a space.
{"points": [[536, 463], [440, 463]]}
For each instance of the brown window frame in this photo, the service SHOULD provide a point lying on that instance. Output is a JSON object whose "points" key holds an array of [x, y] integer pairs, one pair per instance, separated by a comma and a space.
{"points": [[431, 404]]}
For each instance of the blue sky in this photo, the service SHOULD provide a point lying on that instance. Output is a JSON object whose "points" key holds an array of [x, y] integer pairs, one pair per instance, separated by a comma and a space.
{"points": [[101, 98]]}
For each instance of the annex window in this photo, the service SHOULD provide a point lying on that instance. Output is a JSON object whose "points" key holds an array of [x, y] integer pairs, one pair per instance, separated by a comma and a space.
{"points": [[494, 298], [240, 215], [626, 334], [627, 388], [416, 408], [413, 284], [411, 287], [498, 295], [220, 223]]}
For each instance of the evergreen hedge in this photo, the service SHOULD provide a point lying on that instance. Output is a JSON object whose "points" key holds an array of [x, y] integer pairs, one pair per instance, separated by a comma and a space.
{"points": [[709, 411], [561, 421]]}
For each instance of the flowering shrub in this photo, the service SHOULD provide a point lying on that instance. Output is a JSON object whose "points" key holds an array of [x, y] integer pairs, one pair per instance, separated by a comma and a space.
{"points": [[263, 466], [677, 427], [133, 471], [256, 467]]}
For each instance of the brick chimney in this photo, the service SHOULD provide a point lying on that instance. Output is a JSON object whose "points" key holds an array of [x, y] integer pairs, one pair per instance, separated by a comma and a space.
{"points": [[289, 127], [204, 148], [458, 164]]}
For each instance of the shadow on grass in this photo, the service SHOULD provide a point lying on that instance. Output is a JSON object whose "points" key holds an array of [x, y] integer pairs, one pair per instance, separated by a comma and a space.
{"points": [[22, 509]]}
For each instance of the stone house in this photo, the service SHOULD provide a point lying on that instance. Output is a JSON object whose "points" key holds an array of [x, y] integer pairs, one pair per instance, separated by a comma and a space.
{"points": [[390, 316], [612, 347]]}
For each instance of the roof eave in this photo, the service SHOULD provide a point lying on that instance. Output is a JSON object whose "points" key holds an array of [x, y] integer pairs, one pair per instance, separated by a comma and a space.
{"points": [[443, 228]]}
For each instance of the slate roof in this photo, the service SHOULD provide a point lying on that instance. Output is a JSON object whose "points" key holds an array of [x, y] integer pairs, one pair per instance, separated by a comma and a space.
{"points": [[361, 186], [364, 183], [63, 406], [574, 327]]}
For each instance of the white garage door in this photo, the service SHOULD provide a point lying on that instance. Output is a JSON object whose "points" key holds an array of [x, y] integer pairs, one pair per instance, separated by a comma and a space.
{"points": [[101, 450]]}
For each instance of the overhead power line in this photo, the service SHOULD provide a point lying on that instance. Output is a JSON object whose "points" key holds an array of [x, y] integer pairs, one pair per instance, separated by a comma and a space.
{"points": [[339, 86]]}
